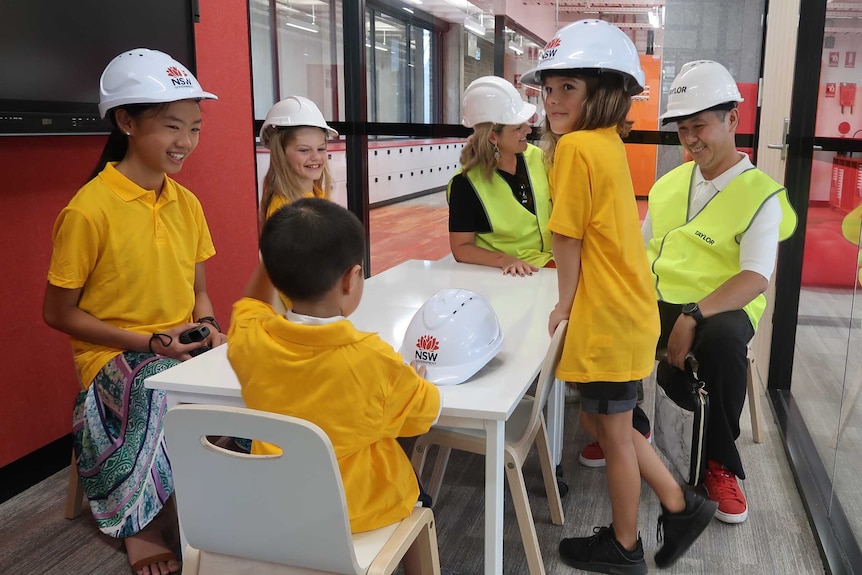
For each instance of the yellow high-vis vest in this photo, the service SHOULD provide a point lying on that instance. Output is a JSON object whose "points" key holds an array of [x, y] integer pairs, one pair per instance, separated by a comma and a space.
{"points": [[514, 230], [691, 259]]}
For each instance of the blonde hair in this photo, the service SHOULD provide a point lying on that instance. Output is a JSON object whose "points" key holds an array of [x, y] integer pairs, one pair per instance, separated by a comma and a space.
{"points": [[280, 179], [479, 151], [607, 104]]}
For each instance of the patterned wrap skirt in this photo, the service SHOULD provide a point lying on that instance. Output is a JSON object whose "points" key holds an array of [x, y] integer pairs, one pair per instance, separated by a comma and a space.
{"points": [[120, 446]]}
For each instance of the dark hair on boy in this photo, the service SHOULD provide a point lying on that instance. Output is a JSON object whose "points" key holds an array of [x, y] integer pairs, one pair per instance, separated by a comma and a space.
{"points": [[307, 245]]}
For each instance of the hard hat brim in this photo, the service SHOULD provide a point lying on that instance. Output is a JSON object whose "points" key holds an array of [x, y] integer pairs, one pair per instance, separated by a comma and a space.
{"points": [[456, 375], [527, 111], [105, 107], [533, 77], [264, 130], [677, 115]]}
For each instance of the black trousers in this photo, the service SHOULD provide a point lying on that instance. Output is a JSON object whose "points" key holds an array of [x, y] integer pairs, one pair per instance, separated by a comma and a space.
{"points": [[721, 349]]}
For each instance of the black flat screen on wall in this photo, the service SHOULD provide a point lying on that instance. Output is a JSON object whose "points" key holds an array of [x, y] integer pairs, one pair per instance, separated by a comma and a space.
{"points": [[52, 53]]}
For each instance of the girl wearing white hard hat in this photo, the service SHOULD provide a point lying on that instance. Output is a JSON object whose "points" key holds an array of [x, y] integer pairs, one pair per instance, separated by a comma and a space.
{"points": [[126, 279], [588, 73], [295, 133], [499, 201]]}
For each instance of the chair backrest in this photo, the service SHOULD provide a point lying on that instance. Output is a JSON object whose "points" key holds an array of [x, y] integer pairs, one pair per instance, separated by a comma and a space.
{"points": [[545, 382], [288, 509]]}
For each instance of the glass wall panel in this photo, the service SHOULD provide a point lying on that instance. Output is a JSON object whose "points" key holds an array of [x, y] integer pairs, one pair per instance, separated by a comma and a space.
{"points": [[296, 50], [407, 178], [390, 95], [828, 376]]}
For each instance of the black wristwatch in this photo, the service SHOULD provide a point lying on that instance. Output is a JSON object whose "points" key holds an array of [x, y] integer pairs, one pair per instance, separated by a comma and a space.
{"points": [[693, 310]]}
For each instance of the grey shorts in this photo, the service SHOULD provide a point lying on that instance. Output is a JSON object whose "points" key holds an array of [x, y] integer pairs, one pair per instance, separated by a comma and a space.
{"points": [[608, 397]]}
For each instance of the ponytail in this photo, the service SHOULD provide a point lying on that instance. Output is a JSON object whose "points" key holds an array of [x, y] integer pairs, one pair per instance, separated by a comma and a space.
{"points": [[118, 143]]}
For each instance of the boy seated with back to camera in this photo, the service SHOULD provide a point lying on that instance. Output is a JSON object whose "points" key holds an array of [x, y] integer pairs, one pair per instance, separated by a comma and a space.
{"points": [[312, 363]]}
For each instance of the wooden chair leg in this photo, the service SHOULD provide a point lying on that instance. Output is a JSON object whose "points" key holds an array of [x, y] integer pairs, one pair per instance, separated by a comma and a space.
{"points": [[423, 556], [525, 518], [417, 460], [552, 489], [74, 491], [439, 470], [754, 401]]}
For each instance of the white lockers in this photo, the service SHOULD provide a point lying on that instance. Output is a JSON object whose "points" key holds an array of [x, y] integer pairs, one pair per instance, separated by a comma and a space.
{"points": [[395, 169]]}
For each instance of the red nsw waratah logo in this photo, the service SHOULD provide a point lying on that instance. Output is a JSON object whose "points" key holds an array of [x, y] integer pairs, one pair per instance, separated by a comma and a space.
{"points": [[175, 72], [553, 43], [428, 342]]}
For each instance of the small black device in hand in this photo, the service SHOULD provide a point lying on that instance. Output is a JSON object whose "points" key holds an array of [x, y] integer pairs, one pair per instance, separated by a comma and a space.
{"points": [[195, 335]]}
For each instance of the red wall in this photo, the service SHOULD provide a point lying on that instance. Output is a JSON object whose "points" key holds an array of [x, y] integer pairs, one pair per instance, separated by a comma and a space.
{"points": [[40, 174]]}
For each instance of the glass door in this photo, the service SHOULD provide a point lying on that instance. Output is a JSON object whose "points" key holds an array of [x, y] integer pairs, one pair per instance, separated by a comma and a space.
{"points": [[815, 373]]}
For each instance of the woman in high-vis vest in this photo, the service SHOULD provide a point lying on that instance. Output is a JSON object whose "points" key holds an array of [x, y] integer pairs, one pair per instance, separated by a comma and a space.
{"points": [[499, 201]]}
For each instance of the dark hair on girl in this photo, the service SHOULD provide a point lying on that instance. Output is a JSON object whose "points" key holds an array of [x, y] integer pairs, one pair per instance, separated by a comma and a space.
{"points": [[118, 142]]}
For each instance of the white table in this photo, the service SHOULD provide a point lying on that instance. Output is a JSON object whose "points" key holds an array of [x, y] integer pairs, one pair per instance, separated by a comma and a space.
{"points": [[485, 401]]}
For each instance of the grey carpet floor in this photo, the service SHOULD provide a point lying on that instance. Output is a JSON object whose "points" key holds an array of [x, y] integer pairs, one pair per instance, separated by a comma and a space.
{"points": [[776, 539]]}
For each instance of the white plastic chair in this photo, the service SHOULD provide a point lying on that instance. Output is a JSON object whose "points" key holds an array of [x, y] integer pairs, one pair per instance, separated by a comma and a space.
{"points": [[525, 427], [276, 514]]}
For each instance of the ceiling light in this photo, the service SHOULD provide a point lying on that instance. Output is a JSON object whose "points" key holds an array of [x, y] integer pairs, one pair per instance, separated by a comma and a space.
{"points": [[515, 48], [406, 9], [474, 26], [302, 26], [381, 47]]}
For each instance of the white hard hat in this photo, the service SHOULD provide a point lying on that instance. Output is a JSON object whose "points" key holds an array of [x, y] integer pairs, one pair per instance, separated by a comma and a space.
{"points": [[493, 99], [590, 44], [144, 76], [454, 334], [699, 86], [294, 111]]}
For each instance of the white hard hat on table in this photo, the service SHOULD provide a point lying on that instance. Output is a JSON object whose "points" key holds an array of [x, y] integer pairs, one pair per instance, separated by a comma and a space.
{"points": [[454, 334]]}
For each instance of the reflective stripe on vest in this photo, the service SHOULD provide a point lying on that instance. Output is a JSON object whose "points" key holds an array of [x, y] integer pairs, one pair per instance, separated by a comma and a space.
{"points": [[690, 260], [514, 230]]}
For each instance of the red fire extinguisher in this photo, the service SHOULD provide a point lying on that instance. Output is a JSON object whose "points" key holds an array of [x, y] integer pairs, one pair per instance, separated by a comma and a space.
{"points": [[847, 95]]}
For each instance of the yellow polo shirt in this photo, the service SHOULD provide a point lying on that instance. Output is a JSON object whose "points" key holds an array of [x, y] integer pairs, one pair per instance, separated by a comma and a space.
{"points": [[614, 322], [280, 200], [351, 384], [133, 255]]}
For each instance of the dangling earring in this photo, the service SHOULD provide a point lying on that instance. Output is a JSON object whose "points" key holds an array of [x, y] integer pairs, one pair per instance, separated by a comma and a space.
{"points": [[496, 153]]}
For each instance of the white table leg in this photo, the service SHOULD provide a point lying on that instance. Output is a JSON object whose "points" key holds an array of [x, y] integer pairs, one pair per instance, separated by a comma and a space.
{"points": [[495, 434], [554, 419]]}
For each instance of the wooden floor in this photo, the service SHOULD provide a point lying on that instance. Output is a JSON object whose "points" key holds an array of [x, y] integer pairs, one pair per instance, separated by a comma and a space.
{"points": [[36, 539]]}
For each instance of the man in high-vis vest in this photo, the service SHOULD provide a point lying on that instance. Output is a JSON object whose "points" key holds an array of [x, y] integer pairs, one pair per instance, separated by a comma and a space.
{"points": [[712, 233]]}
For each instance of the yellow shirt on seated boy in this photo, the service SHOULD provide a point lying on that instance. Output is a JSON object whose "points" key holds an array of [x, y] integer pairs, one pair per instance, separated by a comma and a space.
{"points": [[313, 364]]}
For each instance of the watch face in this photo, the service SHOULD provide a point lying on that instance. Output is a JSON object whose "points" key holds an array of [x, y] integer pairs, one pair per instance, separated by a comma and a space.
{"points": [[689, 308]]}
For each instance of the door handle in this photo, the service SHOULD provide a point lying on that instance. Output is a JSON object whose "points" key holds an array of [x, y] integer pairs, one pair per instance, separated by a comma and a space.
{"points": [[782, 146]]}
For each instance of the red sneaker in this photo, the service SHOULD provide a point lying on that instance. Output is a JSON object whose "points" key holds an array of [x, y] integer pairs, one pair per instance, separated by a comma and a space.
{"points": [[593, 456], [722, 487]]}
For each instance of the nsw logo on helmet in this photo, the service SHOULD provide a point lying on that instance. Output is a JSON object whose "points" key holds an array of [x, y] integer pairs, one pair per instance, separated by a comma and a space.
{"points": [[178, 77], [426, 349], [551, 49]]}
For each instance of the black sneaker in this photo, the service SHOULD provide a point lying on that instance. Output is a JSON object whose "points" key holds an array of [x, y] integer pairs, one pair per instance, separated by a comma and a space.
{"points": [[682, 528], [602, 553]]}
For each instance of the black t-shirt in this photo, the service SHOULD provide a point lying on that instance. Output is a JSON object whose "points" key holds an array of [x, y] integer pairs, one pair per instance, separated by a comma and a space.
{"points": [[466, 213]]}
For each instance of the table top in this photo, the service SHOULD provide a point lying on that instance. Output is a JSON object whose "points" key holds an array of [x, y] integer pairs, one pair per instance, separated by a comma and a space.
{"points": [[390, 299]]}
